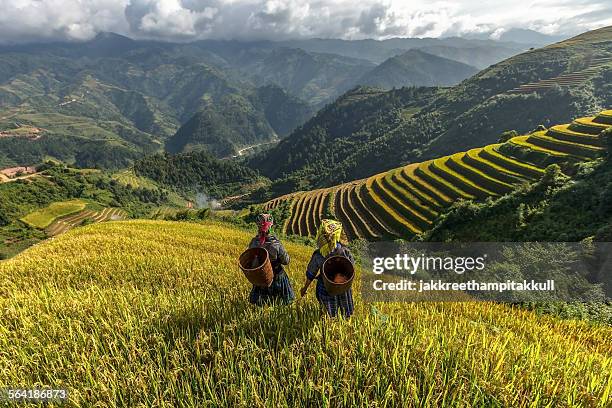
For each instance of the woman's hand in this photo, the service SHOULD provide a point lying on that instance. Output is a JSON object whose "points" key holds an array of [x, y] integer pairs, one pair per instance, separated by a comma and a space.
{"points": [[305, 287]]}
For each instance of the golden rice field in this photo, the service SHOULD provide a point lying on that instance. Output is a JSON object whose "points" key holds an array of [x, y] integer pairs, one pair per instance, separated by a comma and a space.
{"points": [[154, 313]]}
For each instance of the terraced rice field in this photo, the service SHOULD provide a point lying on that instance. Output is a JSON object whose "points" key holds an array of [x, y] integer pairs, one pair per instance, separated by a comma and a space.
{"points": [[406, 201], [569, 79], [46, 216], [129, 178], [64, 224]]}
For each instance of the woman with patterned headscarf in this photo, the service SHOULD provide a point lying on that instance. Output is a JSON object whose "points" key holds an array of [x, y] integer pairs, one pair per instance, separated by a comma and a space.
{"points": [[328, 240], [280, 290]]}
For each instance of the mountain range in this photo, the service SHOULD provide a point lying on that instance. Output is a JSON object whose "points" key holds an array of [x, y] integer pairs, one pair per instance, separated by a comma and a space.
{"points": [[106, 102]]}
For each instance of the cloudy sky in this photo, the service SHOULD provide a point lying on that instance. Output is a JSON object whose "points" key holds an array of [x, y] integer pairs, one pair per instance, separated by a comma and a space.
{"points": [[33, 20]]}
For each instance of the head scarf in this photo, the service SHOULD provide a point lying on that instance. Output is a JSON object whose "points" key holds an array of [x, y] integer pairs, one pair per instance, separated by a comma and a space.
{"points": [[328, 236], [264, 223]]}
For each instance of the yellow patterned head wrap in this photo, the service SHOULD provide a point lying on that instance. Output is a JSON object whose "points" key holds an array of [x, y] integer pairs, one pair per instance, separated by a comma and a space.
{"points": [[328, 236]]}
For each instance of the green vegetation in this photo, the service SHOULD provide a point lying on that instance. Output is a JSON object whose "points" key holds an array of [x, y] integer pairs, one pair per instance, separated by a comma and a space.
{"points": [[106, 102], [314, 149], [223, 126], [155, 321], [45, 216], [556, 208], [99, 110], [129, 178], [197, 172], [75, 150]]}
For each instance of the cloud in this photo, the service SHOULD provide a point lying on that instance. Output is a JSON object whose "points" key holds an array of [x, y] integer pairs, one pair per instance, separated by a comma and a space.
{"points": [[29, 20], [169, 18]]}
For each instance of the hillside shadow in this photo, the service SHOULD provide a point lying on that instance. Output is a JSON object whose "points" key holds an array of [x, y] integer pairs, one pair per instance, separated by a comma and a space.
{"points": [[281, 326], [271, 327]]}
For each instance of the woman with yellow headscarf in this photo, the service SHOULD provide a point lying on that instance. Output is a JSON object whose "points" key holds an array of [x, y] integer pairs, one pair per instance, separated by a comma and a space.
{"points": [[329, 244]]}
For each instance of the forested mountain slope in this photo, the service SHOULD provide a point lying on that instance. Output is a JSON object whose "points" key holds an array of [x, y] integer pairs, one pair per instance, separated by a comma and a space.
{"points": [[358, 118], [577, 75]]}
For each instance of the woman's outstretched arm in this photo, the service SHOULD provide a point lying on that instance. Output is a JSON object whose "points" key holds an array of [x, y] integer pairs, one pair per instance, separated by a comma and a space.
{"points": [[312, 270]]}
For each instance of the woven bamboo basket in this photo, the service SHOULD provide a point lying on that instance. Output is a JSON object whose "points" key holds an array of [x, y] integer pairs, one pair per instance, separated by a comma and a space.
{"points": [[338, 273], [256, 266]]}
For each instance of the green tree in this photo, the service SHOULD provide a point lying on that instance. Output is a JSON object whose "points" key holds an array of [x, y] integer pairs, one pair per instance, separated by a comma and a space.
{"points": [[4, 218], [605, 204], [607, 138], [507, 135], [553, 176]]}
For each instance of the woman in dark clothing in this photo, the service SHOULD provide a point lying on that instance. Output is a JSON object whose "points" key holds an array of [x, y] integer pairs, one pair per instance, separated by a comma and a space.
{"points": [[328, 240], [280, 290]]}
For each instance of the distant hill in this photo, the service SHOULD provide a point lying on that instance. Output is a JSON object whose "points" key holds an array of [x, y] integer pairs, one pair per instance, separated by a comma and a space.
{"points": [[526, 36], [282, 111], [417, 68], [477, 56], [313, 77], [234, 120], [518, 36], [562, 81], [106, 102]]}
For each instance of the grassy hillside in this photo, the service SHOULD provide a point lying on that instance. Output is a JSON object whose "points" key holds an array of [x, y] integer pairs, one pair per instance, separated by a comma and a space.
{"points": [[539, 87], [57, 198], [417, 68], [407, 201], [155, 313]]}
